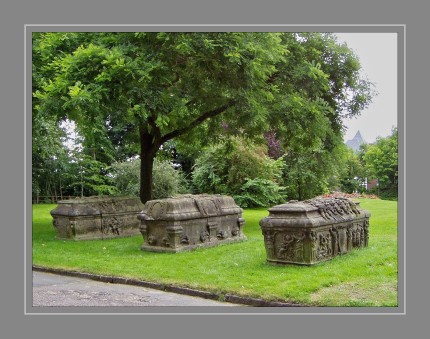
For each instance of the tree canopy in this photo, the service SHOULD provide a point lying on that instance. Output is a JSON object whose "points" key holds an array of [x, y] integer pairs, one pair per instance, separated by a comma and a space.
{"points": [[134, 92]]}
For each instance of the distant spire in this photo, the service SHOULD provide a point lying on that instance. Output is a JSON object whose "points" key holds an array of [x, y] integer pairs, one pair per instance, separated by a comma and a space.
{"points": [[355, 142]]}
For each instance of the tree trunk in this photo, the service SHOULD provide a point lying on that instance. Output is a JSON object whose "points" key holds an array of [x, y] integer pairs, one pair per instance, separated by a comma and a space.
{"points": [[148, 149], [146, 166], [82, 185], [61, 190], [151, 140]]}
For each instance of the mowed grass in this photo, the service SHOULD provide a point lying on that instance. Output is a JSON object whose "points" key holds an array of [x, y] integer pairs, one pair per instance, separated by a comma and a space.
{"points": [[363, 277]]}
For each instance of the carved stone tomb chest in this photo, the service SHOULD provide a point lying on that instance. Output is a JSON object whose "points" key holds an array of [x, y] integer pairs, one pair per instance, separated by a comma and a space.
{"points": [[190, 221], [97, 218], [312, 231]]}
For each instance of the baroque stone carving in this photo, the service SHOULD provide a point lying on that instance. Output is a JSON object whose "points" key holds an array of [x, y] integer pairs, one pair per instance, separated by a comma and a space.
{"points": [[190, 221], [204, 236], [152, 240], [334, 208], [221, 234], [165, 242], [112, 225], [311, 231], [292, 246], [234, 231], [96, 217], [185, 240], [324, 246]]}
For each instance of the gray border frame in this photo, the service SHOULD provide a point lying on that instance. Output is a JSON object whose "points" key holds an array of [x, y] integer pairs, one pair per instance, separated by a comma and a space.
{"points": [[401, 43]]}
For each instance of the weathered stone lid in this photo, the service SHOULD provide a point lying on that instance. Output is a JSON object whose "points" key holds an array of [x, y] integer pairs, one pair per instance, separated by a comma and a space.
{"points": [[293, 207], [187, 207], [313, 212], [73, 210], [96, 205], [96, 199]]}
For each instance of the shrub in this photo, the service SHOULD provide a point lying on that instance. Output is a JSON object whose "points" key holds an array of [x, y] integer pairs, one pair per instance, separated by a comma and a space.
{"points": [[240, 169], [387, 192], [260, 193], [126, 177], [166, 181], [210, 171]]}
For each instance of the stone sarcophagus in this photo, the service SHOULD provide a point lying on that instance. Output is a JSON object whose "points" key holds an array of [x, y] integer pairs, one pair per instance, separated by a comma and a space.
{"points": [[190, 221], [313, 231], [97, 218]]}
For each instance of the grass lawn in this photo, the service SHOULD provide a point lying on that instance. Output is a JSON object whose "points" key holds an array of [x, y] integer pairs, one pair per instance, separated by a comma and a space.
{"points": [[363, 277]]}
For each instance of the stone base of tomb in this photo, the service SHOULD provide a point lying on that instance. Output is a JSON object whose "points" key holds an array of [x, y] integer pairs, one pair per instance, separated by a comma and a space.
{"points": [[189, 222], [97, 218], [313, 231]]}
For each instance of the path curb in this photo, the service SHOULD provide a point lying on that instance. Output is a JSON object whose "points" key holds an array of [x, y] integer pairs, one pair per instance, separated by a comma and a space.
{"points": [[169, 288]]}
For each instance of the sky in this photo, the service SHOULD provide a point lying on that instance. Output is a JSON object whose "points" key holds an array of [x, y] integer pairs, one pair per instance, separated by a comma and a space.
{"points": [[377, 53]]}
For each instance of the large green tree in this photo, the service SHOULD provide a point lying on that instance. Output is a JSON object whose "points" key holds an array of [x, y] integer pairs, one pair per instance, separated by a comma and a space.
{"points": [[353, 172], [314, 87], [60, 170], [159, 85], [149, 89], [49, 160], [381, 159], [318, 85]]}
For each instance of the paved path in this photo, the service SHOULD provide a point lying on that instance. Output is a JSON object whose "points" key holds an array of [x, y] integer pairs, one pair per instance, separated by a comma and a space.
{"points": [[58, 290]]}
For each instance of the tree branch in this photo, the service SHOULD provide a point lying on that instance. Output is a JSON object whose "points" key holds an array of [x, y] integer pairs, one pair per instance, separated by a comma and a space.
{"points": [[273, 77], [156, 133], [197, 121]]}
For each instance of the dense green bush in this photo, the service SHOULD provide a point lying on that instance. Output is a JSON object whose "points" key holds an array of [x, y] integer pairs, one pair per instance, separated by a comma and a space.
{"points": [[166, 181], [388, 192], [239, 168], [260, 193], [381, 160]]}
